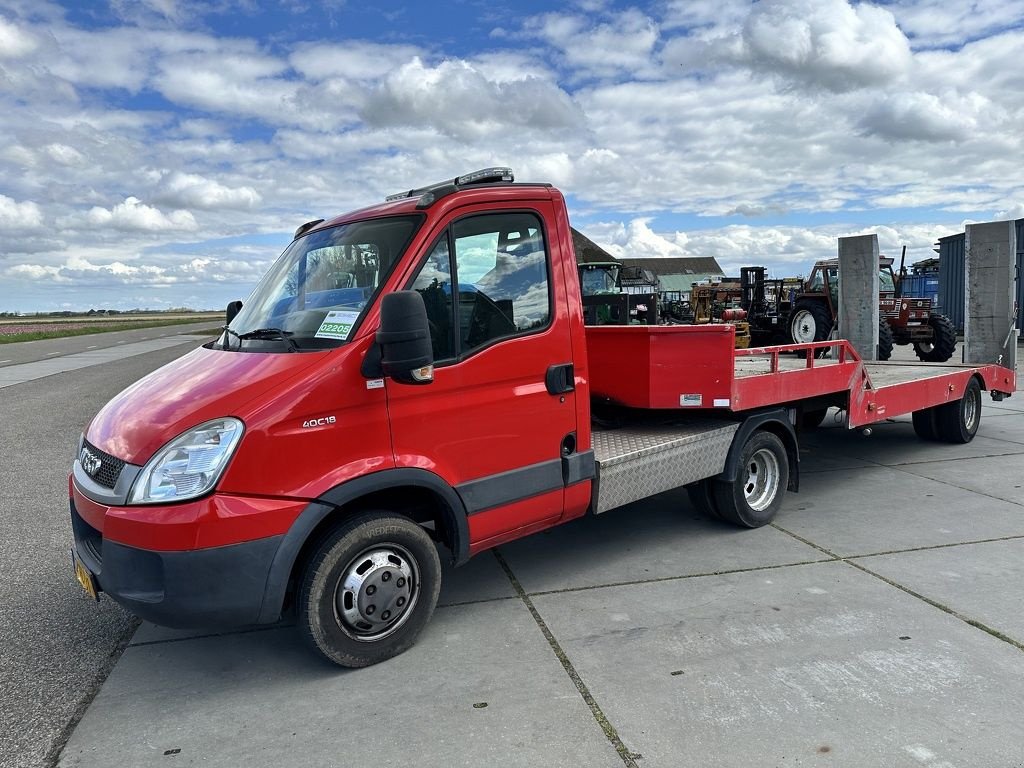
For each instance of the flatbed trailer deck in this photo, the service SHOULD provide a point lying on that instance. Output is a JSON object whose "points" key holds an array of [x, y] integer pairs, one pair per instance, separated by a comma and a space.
{"points": [[697, 368]]}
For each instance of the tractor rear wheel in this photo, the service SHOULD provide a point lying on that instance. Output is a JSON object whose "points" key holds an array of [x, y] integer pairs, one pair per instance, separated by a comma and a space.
{"points": [[885, 340], [943, 342]]}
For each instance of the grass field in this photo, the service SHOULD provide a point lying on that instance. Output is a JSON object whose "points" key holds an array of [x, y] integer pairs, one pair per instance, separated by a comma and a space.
{"points": [[33, 329]]}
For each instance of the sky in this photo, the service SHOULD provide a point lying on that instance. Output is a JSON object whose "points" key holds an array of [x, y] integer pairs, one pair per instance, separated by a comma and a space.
{"points": [[160, 153]]}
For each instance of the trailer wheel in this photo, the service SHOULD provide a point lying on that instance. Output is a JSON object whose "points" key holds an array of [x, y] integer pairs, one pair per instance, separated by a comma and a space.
{"points": [[703, 498], [369, 590], [925, 424], [943, 342], [958, 422], [753, 498], [885, 340]]}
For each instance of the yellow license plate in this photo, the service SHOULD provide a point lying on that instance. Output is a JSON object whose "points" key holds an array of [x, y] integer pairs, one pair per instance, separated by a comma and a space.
{"points": [[85, 578]]}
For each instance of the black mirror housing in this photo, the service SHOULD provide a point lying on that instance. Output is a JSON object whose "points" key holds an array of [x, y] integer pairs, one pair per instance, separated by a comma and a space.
{"points": [[407, 355], [234, 307]]}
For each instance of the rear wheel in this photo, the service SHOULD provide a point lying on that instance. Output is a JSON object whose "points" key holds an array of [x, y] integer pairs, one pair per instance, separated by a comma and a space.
{"points": [[885, 340], [924, 424], [958, 422], [755, 495], [703, 498], [369, 590], [943, 342]]}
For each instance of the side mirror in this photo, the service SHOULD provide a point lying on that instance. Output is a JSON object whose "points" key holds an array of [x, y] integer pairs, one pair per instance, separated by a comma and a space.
{"points": [[407, 355], [234, 307]]}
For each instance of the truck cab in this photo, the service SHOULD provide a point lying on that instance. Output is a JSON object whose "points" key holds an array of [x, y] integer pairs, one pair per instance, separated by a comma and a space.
{"points": [[200, 490]]}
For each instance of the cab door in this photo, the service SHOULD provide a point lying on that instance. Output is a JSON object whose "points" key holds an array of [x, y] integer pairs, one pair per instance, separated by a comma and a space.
{"points": [[500, 413]]}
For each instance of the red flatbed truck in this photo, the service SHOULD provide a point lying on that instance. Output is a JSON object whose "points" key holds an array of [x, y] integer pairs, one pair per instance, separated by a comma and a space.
{"points": [[417, 374]]}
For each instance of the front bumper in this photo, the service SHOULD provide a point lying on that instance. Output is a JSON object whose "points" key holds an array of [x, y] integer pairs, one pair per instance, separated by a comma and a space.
{"points": [[159, 579]]}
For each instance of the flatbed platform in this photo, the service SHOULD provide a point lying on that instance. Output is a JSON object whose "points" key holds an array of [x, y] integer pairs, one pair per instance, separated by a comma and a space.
{"points": [[698, 368]]}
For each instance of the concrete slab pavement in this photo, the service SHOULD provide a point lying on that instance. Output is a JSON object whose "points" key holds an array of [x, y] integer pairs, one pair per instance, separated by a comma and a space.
{"points": [[981, 580], [653, 637], [810, 665], [480, 688]]}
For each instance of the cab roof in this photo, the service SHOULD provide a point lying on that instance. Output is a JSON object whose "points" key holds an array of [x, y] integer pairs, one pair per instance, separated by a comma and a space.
{"points": [[485, 180]]}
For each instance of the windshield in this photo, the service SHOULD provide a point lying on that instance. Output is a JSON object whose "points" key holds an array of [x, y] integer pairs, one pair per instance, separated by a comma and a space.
{"points": [[314, 295], [886, 284], [597, 280]]}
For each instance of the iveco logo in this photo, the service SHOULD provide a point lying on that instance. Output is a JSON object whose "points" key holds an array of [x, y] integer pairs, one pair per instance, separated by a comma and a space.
{"points": [[90, 462]]}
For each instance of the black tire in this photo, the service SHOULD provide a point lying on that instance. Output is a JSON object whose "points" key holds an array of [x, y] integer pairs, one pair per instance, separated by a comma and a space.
{"points": [[943, 342], [885, 340], [812, 419], [810, 321], [703, 498], [958, 422], [754, 497], [370, 566], [925, 425]]}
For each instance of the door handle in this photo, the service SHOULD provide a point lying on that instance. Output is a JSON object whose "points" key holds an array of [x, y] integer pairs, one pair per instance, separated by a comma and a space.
{"points": [[560, 379]]}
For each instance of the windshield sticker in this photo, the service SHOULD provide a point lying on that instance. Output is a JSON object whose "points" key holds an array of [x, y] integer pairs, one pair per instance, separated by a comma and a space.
{"points": [[337, 325]]}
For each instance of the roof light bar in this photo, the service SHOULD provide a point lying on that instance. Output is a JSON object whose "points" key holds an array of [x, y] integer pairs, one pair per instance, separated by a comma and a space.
{"points": [[483, 176], [486, 174]]}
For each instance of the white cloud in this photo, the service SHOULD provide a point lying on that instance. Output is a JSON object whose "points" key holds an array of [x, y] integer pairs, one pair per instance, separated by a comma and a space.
{"points": [[133, 215], [921, 116], [822, 43], [194, 191], [355, 60], [19, 216], [623, 43], [457, 99], [15, 42]]}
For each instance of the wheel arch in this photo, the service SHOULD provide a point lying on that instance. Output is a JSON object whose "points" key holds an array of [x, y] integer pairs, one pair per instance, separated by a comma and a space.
{"points": [[416, 493], [777, 422]]}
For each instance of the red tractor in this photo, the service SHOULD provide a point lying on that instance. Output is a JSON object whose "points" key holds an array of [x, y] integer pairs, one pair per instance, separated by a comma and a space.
{"points": [[902, 320]]}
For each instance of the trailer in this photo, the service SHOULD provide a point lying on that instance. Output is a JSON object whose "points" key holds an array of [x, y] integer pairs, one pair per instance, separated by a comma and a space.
{"points": [[417, 378]]}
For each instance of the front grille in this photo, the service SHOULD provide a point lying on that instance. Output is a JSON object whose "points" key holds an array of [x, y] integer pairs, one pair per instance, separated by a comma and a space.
{"points": [[110, 468]]}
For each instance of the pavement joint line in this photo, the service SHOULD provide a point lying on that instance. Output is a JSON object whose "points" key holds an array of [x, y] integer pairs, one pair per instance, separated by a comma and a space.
{"points": [[681, 577], [460, 603], [960, 487], [896, 585], [628, 757], [53, 754]]}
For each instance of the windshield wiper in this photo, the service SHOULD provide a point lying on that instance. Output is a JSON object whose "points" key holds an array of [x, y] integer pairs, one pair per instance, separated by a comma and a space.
{"points": [[270, 333]]}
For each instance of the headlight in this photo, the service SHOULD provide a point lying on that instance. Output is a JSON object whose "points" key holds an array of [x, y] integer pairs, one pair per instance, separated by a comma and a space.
{"points": [[189, 465]]}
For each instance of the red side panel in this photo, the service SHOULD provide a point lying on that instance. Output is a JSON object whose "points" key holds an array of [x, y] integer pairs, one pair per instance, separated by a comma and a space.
{"points": [[667, 366]]}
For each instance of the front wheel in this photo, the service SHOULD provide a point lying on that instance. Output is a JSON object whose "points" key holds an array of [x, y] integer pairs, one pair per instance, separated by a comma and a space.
{"points": [[753, 498], [809, 322], [369, 590]]}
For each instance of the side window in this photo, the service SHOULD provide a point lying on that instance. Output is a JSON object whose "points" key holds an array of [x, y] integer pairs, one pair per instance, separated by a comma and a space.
{"points": [[502, 267], [500, 278], [434, 283]]}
